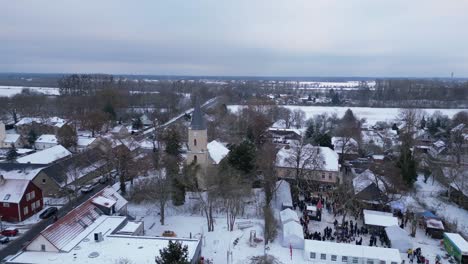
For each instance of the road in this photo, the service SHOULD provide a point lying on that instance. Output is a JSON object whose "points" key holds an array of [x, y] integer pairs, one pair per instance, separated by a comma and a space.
{"points": [[16, 245]]}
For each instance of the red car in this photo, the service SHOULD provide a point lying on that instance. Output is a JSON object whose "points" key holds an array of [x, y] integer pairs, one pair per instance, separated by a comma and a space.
{"points": [[10, 232]]}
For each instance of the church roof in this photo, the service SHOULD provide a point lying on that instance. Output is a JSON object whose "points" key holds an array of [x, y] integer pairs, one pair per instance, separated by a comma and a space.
{"points": [[198, 122]]}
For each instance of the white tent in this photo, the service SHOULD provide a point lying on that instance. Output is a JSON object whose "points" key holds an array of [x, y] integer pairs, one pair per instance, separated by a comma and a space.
{"points": [[283, 195], [293, 235], [378, 218], [399, 238], [288, 215]]}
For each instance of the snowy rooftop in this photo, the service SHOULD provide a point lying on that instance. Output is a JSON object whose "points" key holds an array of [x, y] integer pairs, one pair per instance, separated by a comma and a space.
{"points": [[103, 201], [11, 191], [11, 138], [350, 250], [85, 141], [327, 160], [217, 151], [54, 121], [20, 171], [47, 138], [365, 179], [135, 249], [377, 218], [46, 156], [131, 227], [458, 241], [350, 146]]}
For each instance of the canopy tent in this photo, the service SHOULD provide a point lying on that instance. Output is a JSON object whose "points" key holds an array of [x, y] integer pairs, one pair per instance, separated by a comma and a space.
{"points": [[283, 195], [399, 238], [288, 215], [428, 215], [378, 218], [435, 228], [293, 235]]}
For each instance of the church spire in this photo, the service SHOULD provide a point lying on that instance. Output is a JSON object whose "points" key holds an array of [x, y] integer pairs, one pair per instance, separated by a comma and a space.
{"points": [[198, 122]]}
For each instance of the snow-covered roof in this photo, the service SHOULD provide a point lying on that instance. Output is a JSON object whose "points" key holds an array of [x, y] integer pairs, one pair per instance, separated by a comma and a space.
{"points": [[11, 138], [46, 156], [85, 141], [350, 250], [53, 121], [439, 144], [312, 158], [15, 171], [217, 151], [47, 138], [82, 249], [118, 129], [365, 179], [350, 147], [283, 193], [459, 241], [130, 228], [378, 218], [378, 157], [288, 215], [279, 129], [435, 224], [103, 201], [11, 191]]}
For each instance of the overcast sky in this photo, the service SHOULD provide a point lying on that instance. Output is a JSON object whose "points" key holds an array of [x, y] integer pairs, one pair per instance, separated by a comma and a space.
{"points": [[239, 37]]}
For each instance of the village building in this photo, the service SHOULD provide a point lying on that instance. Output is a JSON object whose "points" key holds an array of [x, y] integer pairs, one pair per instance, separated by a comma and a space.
{"points": [[317, 164], [94, 232], [45, 141], [46, 156], [20, 198], [199, 151], [347, 148], [8, 140], [40, 125], [283, 136], [84, 143]]}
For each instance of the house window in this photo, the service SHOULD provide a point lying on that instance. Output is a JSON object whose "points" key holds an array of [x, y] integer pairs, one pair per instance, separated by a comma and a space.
{"points": [[333, 257], [25, 210], [195, 142], [42, 247], [38, 203], [330, 176], [323, 175], [323, 256], [195, 158], [312, 255], [6, 204], [344, 259], [43, 181], [33, 206]]}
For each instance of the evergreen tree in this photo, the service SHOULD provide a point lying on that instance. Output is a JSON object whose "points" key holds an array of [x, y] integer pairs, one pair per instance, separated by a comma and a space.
{"points": [[12, 153], [109, 109], [423, 123], [407, 165], [137, 123], [335, 99], [174, 253], [172, 142], [242, 156], [32, 136], [310, 131], [323, 140]]}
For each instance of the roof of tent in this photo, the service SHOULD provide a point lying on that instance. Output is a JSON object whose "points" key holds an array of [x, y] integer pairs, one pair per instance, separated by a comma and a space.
{"points": [[459, 242], [377, 218]]}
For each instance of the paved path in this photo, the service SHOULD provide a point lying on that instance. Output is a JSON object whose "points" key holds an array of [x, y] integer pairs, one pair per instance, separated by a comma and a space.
{"points": [[16, 245]]}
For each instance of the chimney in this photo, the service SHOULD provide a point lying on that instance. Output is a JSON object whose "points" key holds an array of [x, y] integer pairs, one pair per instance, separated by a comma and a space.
{"points": [[98, 237]]}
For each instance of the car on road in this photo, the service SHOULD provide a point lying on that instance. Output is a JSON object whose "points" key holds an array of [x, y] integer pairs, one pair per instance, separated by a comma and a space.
{"points": [[10, 232], [87, 188], [4, 239], [48, 212]]}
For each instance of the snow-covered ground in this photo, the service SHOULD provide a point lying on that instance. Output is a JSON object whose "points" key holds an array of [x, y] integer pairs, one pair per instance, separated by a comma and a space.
{"points": [[428, 195], [8, 91], [217, 243], [371, 114]]}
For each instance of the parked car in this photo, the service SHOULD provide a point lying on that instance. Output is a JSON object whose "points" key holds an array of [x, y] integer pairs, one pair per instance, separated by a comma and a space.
{"points": [[10, 232], [87, 188], [4, 239], [48, 212]]}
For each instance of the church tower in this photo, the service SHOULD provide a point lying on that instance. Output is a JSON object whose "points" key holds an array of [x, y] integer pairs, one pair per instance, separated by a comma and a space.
{"points": [[197, 139]]}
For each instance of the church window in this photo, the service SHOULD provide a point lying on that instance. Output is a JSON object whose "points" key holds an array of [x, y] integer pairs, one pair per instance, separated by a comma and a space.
{"points": [[195, 142]]}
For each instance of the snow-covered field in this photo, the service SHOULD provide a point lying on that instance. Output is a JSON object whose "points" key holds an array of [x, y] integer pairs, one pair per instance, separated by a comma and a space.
{"points": [[372, 115], [8, 91]]}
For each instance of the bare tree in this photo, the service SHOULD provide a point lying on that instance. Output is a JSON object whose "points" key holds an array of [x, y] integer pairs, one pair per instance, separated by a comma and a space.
{"points": [[298, 118]]}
